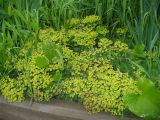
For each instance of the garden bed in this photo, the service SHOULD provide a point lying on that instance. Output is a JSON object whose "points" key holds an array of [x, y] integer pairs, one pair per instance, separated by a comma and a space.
{"points": [[96, 53], [55, 110]]}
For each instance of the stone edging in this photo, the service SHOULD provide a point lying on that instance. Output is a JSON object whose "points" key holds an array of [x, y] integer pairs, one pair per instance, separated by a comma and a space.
{"points": [[54, 110]]}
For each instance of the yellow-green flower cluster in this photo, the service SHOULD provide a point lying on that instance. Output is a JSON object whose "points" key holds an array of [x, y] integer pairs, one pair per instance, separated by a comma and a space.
{"points": [[83, 38], [41, 79], [67, 53], [87, 69], [120, 46], [13, 89], [80, 63], [46, 35], [42, 86], [91, 19], [102, 30], [151, 55], [102, 89], [78, 34], [111, 50], [105, 43], [75, 22], [20, 65], [50, 35], [91, 75], [121, 31]]}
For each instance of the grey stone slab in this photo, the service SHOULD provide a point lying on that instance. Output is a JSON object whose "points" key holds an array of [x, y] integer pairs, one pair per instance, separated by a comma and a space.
{"points": [[54, 110]]}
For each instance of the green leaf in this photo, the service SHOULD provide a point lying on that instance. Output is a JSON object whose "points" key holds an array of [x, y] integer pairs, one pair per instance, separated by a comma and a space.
{"points": [[3, 57], [146, 105], [36, 4], [50, 51], [139, 50], [57, 76], [152, 43], [140, 67], [2, 46], [42, 61], [142, 106], [9, 40]]}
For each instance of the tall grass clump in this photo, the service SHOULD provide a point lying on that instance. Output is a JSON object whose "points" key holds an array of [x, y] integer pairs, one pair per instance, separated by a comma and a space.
{"points": [[56, 13], [143, 23], [19, 24]]}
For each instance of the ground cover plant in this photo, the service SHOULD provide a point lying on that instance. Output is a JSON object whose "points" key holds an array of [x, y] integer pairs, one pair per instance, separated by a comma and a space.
{"points": [[82, 55], [104, 53]]}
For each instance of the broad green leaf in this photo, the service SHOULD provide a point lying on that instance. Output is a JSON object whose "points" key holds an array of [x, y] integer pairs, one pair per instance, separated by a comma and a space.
{"points": [[148, 103], [142, 106], [52, 52], [57, 76], [42, 61]]}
